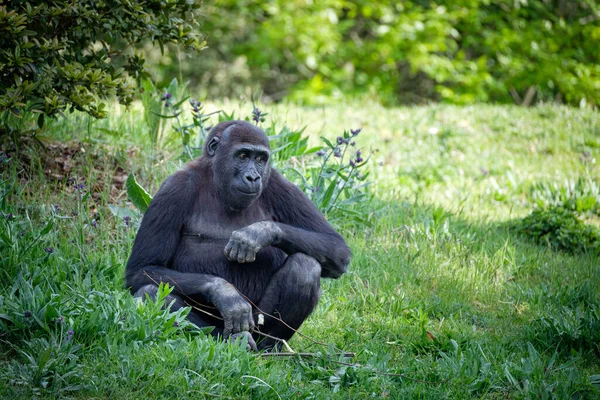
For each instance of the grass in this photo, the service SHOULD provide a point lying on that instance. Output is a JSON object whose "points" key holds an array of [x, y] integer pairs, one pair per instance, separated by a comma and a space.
{"points": [[440, 289]]}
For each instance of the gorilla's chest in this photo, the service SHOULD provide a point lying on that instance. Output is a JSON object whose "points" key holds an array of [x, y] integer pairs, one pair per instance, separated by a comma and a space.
{"points": [[203, 242]]}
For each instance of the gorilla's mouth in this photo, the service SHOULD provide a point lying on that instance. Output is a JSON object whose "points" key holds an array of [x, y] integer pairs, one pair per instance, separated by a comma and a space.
{"points": [[249, 192]]}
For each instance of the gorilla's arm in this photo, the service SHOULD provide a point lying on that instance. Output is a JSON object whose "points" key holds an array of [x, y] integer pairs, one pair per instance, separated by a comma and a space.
{"points": [[298, 227], [155, 246], [158, 237]]}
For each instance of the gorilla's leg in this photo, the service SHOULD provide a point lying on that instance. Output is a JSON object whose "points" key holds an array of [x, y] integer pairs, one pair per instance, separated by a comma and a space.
{"points": [[178, 303], [292, 294]]}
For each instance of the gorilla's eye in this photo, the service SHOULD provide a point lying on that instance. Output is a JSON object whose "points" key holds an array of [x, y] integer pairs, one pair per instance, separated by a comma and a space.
{"points": [[243, 155], [261, 158]]}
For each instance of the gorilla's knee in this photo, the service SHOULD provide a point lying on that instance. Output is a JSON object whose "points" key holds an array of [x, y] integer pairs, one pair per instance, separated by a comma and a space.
{"points": [[306, 270]]}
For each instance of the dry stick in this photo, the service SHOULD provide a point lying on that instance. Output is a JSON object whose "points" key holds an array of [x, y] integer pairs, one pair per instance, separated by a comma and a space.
{"points": [[346, 354]]}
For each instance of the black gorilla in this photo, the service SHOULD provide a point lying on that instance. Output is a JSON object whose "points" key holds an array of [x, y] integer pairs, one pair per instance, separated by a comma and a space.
{"points": [[228, 229]]}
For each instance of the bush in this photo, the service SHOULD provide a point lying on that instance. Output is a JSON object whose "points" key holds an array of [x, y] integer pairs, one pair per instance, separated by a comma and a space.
{"points": [[64, 55], [560, 229], [402, 52]]}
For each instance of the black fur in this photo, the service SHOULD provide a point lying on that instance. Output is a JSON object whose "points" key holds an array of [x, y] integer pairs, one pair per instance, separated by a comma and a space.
{"points": [[202, 234]]}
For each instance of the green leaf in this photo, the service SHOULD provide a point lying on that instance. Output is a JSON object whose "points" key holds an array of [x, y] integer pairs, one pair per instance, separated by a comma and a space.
{"points": [[47, 228], [137, 194], [328, 194], [180, 102], [327, 142]]}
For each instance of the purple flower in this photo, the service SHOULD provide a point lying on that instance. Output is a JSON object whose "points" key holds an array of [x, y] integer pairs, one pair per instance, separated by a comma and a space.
{"points": [[176, 324], [355, 132], [27, 314], [49, 250], [337, 153], [320, 153], [314, 189], [257, 115], [81, 186], [195, 105], [70, 334], [59, 320], [57, 208], [94, 223], [74, 213], [359, 160], [166, 104], [358, 153], [352, 163], [126, 219], [353, 144], [166, 96], [340, 140], [10, 216]]}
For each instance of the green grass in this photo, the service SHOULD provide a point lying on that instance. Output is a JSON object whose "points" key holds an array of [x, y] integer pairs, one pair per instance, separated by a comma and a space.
{"points": [[440, 289]]}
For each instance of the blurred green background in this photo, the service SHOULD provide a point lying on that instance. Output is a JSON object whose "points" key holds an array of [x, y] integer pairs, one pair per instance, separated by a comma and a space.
{"points": [[395, 52]]}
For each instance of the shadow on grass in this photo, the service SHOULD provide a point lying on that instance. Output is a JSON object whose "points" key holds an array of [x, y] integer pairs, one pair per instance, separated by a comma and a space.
{"points": [[443, 279]]}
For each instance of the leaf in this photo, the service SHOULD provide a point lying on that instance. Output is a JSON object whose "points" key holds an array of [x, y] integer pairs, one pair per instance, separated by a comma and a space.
{"points": [[327, 142], [180, 102], [121, 212], [328, 194], [47, 228], [177, 114], [137, 194]]}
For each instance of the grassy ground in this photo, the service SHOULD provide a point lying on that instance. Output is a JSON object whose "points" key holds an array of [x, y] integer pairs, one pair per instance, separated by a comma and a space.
{"points": [[442, 299]]}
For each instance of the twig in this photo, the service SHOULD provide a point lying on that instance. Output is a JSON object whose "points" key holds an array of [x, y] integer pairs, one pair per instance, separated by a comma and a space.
{"points": [[310, 355]]}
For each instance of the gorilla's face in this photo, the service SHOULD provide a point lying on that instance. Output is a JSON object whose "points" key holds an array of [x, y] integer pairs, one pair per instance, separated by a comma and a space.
{"points": [[241, 166]]}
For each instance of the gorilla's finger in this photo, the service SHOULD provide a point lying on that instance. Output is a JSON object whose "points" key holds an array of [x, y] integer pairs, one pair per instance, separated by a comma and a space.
{"points": [[245, 326], [237, 326], [250, 255], [242, 254], [252, 343], [234, 252], [227, 329], [228, 249]]}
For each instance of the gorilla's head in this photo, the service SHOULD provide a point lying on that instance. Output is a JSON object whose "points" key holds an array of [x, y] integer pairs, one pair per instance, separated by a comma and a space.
{"points": [[240, 162]]}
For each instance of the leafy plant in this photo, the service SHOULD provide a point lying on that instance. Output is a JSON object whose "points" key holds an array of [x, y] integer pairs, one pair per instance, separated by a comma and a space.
{"points": [[560, 229], [570, 328], [66, 55], [581, 195], [335, 185]]}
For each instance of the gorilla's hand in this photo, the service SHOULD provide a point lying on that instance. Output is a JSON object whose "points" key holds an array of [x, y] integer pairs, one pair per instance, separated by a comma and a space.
{"points": [[246, 242], [235, 310], [238, 337]]}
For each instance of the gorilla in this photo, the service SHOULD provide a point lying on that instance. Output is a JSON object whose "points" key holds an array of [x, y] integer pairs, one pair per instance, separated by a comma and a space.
{"points": [[235, 239]]}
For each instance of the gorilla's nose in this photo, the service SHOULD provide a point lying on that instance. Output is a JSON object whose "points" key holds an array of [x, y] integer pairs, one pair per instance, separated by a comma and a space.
{"points": [[252, 178]]}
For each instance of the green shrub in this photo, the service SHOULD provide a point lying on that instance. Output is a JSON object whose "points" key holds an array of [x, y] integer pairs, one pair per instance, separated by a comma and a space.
{"points": [[402, 52], [63, 55], [560, 229]]}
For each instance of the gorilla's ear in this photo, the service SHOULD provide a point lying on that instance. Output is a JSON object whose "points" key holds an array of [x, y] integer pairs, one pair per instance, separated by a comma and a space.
{"points": [[212, 146]]}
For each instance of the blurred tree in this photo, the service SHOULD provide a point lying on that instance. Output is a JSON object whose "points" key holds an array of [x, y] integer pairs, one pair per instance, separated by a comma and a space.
{"points": [[412, 51], [65, 55]]}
